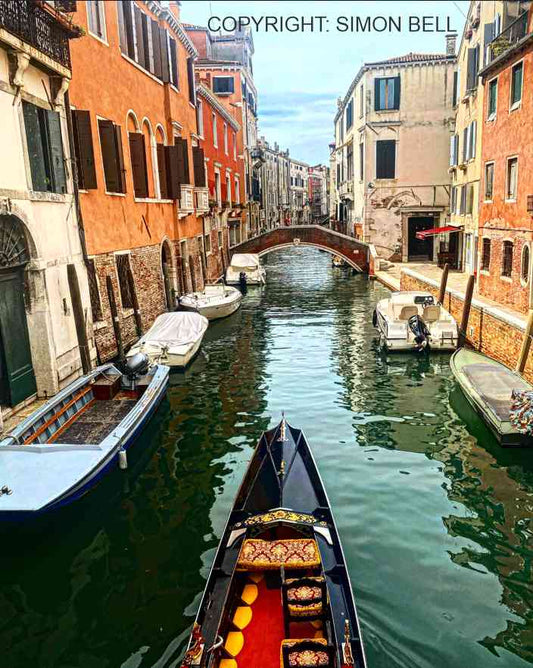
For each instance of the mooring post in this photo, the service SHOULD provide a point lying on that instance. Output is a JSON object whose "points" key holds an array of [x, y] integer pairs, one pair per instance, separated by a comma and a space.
{"points": [[443, 282], [526, 344], [466, 310], [114, 317]]}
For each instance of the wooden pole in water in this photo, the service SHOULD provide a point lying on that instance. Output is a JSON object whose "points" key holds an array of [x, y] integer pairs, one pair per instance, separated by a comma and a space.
{"points": [[526, 344], [114, 317], [443, 282], [466, 310], [135, 302]]}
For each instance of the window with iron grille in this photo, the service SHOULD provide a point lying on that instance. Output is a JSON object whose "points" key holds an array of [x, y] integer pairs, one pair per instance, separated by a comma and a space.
{"points": [[489, 180], [485, 255], [526, 261], [94, 292], [507, 258], [123, 270]]}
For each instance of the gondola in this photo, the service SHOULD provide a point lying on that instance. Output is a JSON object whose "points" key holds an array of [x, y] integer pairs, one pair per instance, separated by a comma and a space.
{"points": [[278, 593]]}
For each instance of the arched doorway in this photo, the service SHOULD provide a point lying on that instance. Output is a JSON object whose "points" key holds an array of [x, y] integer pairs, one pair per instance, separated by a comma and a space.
{"points": [[17, 378], [168, 276]]}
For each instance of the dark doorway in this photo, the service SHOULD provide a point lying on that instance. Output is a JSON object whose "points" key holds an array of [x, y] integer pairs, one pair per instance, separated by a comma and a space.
{"points": [[166, 261], [420, 250]]}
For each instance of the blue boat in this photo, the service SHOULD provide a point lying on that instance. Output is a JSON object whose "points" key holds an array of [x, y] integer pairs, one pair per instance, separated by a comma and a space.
{"points": [[60, 451]]}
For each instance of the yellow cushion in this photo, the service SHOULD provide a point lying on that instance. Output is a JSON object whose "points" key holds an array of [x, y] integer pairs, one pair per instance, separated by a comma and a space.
{"points": [[305, 610], [319, 634], [234, 643], [227, 663], [317, 623], [256, 577], [242, 616], [249, 593]]}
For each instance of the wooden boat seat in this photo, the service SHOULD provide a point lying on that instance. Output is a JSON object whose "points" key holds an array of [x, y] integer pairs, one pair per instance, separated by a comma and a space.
{"points": [[292, 553], [306, 653]]}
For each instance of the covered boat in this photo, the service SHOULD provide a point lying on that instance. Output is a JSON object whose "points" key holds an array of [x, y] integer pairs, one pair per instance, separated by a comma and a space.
{"points": [[214, 301], [279, 592], [501, 397], [247, 265], [173, 339], [62, 449], [414, 321]]}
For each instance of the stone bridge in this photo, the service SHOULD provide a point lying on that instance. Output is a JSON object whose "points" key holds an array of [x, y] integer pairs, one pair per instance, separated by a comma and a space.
{"points": [[358, 254]]}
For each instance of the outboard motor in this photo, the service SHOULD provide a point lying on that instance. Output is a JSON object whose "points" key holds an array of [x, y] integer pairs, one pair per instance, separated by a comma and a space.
{"points": [[242, 282], [136, 366], [420, 330]]}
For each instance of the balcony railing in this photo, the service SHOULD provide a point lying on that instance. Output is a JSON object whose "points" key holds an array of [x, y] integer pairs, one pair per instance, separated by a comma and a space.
{"points": [[37, 27], [186, 200], [202, 200], [509, 37]]}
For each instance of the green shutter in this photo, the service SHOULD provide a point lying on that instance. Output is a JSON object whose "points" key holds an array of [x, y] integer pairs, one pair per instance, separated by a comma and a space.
{"points": [[57, 159], [39, 177]]}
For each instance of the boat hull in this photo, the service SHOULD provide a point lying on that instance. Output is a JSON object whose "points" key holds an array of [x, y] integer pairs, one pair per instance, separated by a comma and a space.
{"points": [[174, 357], [214, 311]]}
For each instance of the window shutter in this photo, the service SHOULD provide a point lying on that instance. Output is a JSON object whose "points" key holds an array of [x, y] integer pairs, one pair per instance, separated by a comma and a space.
{"points": [[463, 200], [156, 45], [138, 164], [146, 44], [454, 91], [465, 144], [488, 36], [473, 132], [57, 160], [127, 9], [165, 72], [35, 147], [386, 159], [83, 144], [162, 170], [174, 189], [396, 92], [471, 71], [141, 58], [120, 159], [106, 130], [173, 62], [190, 77], [452, 150], [377, 103], [199, 166], [122, 27], [183, 160]]}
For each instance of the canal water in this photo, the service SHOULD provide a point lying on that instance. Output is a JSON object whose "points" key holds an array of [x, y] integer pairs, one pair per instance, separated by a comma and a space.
{"points": [[434, 517]]}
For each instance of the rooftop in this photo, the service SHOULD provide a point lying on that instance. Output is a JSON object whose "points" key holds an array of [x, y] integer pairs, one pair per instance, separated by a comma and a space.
{"points": [[412, 58]]}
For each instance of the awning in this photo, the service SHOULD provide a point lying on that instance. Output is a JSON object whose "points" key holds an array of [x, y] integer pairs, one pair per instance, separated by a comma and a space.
{"points": [[437, 230]]}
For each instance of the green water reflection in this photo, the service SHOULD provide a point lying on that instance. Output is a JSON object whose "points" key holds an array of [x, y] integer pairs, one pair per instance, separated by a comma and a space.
{"points": [[435, 518]]}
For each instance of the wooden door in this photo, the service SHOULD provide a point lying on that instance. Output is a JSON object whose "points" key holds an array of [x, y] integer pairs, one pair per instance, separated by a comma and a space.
{"points": [[17, 379]]}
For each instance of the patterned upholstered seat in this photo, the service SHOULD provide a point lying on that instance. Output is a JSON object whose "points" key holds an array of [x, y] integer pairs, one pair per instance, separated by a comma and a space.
{"points": [[304, 596], [306, 653], [297, 553]]}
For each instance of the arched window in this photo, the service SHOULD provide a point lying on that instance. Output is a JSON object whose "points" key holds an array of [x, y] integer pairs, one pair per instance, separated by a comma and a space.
{"points": [[526, 264], [162, 172]]}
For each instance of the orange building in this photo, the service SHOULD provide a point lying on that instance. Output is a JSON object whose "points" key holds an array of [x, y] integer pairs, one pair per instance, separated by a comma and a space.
{"points": [[135, 130]]}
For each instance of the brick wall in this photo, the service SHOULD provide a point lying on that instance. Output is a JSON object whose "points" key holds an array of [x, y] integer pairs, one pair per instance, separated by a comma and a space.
{"points": [[485, 332]]}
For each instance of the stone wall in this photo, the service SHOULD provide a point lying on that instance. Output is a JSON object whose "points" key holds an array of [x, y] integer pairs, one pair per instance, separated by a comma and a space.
{"points": [[488, 330]]}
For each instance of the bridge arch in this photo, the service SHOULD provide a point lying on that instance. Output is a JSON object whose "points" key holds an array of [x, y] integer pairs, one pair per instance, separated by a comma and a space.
{"points": [[356, 253]]}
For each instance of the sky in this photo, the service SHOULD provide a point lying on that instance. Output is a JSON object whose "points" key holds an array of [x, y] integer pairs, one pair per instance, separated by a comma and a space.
{"points": [[299, 75]]}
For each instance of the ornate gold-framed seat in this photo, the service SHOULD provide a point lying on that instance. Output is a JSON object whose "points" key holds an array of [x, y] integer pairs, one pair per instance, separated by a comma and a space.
{"points": [[306, 653], [304, 599]]}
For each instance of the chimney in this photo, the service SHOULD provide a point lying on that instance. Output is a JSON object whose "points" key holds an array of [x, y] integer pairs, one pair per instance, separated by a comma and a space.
{"points": [[451, 39]]}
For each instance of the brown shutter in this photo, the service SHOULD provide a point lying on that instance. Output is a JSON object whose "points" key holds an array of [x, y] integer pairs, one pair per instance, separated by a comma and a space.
{"points": [[141, 57], [138, 164], [122, 27], [109, 156], [164, 55], [157, 50], [183, 160], [128, 28], [199, 166], [174, 190], [163, 172], [83, 144], [120, 159], [173, 62]]}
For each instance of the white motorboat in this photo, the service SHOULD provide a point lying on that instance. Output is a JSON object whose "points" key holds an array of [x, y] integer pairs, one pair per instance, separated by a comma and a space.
{"points": [[215, 301], [339, 262], [246, 264], [173, 339], [414, 321]]}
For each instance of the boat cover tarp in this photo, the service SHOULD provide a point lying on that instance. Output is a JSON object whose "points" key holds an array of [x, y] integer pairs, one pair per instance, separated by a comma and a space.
{"points": [[180, 328], [245, 261], [521, 415], [495, 386]]}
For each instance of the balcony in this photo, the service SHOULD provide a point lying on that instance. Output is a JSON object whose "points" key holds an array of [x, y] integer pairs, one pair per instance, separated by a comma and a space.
{"points": [[507, 39], [39, 28], [186, 200], [202, 200]]}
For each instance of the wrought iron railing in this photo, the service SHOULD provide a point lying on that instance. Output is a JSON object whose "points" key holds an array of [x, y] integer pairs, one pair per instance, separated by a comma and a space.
{"points": [[37, 27], [509, 37]]}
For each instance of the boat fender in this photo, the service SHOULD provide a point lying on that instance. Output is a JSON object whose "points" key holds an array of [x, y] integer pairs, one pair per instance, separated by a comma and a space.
{"points": [[122, 459], [375, 318]]}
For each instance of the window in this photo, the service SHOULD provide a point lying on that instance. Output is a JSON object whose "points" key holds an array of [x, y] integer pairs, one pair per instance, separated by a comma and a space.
{"points": [[190, 81], [453, 199], [472, 132], [361, 101], [511, 180], [469, 197], [219, 234], [472, 68], [198, 160], [489, 180], [225, 139], [516, 85], [237, 189], [138, 164], [223, 85], [45, 149], [485, 255], [462, 202], [349, 115], [218, 190], [493, 98], [94, 292], [235, 146], [454, 150], [207, 243], [526, 262], [173, 62], [215, 137], [349, 162], [507, 258], [96, 18], [228, 188], [386, 159], [125, 279], [83, 147], [361, 161], [112, 156], [200, 118], [466, 144], [387, 93], [455, 89]]}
